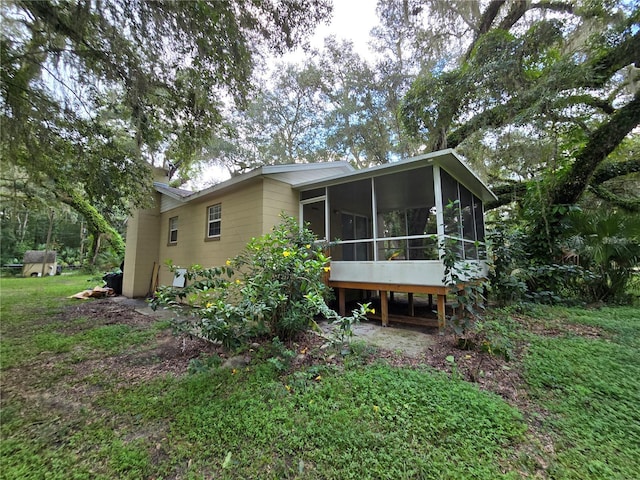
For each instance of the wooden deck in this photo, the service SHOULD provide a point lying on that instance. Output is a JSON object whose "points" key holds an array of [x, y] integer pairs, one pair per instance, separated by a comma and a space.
{"points": [[385, 288]]}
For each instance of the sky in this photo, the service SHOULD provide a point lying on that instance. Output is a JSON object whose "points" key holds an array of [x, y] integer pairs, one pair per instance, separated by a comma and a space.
{"points": [[352, 20]]}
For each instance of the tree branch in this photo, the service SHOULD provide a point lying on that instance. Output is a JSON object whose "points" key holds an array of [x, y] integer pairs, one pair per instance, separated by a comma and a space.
{"points": [[589, 100], [489, 15], [558, 7], [597, 73], [67, 87], [518, 9], [512, 191], [601, 143], [629, 204], [611, 170], [507, 193]]}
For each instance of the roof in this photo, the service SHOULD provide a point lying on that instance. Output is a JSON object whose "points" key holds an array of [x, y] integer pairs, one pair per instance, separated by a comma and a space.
{"points": [[289, 173], [176, 193], [448, 159], [307, 176], [37, 256]]}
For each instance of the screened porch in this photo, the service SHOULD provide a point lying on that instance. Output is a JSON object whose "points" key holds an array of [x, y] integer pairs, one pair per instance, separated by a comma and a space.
{"points": [[386, 225]]}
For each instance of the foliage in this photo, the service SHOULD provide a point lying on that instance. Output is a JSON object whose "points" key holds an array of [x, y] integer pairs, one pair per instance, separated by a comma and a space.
{"points": [[607, 244], [464, 283], [358, 118], [281, 124], [599, 252], [509, 258], [336, 105], [344, 325], [95, 92], [279, 355], [275, 286], [498, 333], [555, 283], [515, 276]]}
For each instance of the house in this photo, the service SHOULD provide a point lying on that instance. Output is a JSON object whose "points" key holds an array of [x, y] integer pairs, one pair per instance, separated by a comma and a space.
{"points": [[386, 223], [38, 263]]}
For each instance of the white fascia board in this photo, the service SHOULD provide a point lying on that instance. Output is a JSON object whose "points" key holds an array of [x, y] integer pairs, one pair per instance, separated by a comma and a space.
{"points": [[463, 173], [400, 165]]}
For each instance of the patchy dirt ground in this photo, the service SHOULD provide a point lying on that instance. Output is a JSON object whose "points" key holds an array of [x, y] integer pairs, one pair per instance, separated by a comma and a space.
{"points": [[87, 373], [171, 354]]}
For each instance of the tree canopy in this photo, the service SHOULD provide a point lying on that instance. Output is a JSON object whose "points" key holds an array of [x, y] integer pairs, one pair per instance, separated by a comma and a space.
{"points": [[95, 92], [542, 97], [561, 74]]}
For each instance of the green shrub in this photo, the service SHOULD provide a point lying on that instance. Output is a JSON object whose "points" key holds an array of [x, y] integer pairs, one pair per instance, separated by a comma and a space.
{"points": [[469, 300], [275, 286], [506, 274], [607, 244]]}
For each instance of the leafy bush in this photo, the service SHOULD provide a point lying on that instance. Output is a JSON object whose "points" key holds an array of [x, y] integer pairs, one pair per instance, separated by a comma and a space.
{"points": [[607, 244], [275, 286], [600, 253], [469, 300], [516, 277], [497, 334], [506, 276], [555, 283]]}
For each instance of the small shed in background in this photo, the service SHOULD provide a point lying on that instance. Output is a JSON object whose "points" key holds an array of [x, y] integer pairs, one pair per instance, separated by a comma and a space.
{"points": [[35, 264]]}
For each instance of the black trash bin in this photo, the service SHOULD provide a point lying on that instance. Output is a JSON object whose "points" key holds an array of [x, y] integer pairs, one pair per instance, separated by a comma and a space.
{"points": [[114, 281]]}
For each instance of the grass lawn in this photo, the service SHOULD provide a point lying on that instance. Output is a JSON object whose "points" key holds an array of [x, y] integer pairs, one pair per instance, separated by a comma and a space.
{"points": [[591, 387], [95, 396]]}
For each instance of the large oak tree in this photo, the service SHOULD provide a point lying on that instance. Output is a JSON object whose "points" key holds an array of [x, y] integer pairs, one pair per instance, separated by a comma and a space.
{"points": [[93, 92], [557, 73]]}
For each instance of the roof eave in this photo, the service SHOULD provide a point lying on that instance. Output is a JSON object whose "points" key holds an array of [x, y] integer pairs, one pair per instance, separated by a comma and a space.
{"points": [[401, 165], [161, 188], [262, 171]]}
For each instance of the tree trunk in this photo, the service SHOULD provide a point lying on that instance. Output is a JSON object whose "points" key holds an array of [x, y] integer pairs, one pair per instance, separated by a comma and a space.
{"points": [[96, 248], [47, 244], [82, 241], [570, 187], [23, 226]]}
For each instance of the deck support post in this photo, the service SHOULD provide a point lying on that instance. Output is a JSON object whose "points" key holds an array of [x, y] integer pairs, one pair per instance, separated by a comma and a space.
{"points": [[441, 310], [384, 308], [384, 288], [412, 310]]}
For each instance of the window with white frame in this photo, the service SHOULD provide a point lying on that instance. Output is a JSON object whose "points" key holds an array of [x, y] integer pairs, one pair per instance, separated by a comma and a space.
{"points": [[214, 220], [173, 230]]}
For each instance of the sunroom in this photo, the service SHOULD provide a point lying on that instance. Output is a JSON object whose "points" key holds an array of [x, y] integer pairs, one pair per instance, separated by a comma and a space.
{"points": [[387, 226]]}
